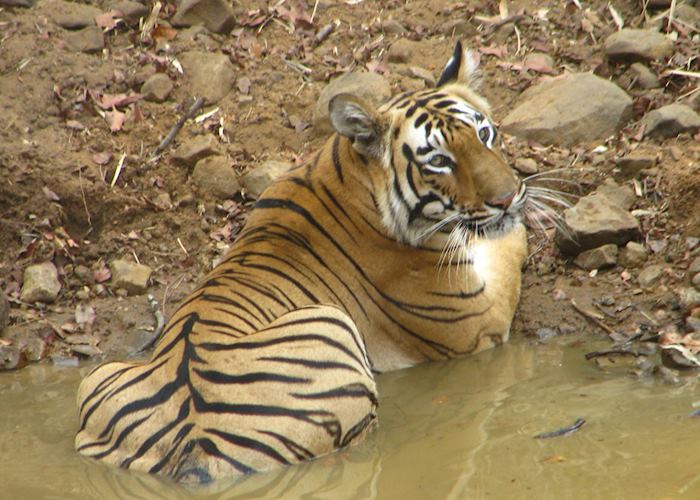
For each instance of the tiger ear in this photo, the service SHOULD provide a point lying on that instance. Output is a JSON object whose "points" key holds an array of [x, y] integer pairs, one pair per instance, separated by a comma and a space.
{"points": [[357, 120], [462, 68]]}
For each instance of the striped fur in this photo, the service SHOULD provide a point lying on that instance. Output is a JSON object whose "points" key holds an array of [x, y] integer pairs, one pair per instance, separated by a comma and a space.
{"points": [[400, 242]]}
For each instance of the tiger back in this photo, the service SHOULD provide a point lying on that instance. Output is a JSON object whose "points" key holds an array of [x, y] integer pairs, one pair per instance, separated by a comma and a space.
{"points": [[399, 242]]}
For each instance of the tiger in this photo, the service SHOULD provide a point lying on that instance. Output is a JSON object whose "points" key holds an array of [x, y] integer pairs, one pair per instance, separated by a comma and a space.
{"points": [[400, 241]]}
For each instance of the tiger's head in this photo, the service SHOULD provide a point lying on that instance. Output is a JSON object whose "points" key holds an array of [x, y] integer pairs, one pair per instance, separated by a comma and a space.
{"points": [[434, 159]]}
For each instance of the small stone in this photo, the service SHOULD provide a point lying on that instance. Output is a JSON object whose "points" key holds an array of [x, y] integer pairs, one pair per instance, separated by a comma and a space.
{"points": [[526, 166], [193, 150], [216, 15], [84, 274], [83, 294], [629, 45], [459, 28], [593, 222], [694, 266], [650, 275], [10, 358], [401, 50], [688, 297], [35, 349], [214, 175], [631, 165], [692, 324], [633, 255], [696, 281], [130, 276], [72, 15], [687, 14], [371, 87], [620, 196], [419, 73], [539, 62], [671, 120], [157, 88], [597, 258], [644, 77], [163, 201], [87, 40], [211, 75], [40, 283], [692, 242], [392, 27], [256, 180], [545, 334], [131, 11], [4, 311]]}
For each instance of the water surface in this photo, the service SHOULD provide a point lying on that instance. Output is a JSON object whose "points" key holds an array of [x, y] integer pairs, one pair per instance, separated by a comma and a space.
{"points": [[460, 429]]}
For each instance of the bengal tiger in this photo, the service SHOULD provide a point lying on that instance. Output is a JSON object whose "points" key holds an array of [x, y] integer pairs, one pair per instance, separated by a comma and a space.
{"points": [[401, 241]]}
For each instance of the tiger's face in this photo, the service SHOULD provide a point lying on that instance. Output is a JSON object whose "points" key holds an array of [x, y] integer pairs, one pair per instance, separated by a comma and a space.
{"points": [[442, 173]]}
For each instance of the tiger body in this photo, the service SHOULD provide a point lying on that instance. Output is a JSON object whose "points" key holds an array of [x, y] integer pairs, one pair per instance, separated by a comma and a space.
{"points": [[342, 269]]}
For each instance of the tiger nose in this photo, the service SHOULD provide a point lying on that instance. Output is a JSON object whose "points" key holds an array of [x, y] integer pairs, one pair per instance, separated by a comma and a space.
{"points": [[503, 201]]}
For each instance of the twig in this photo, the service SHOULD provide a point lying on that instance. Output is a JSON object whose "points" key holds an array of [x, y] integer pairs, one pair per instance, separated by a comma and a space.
{"points": [[591, 317], [118, 170], [613, 352], [196, 106], [564, 431]]}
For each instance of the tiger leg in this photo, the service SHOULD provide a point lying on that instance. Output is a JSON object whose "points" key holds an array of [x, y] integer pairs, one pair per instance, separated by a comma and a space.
{"points": [[212, 406]]}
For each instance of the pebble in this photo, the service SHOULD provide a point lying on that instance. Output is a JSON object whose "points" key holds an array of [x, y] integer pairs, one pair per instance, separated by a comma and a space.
{"points": [[402, 50], [257, 179], [195, 149], [157, 88], [131, 11], [71, 15], [633, 255], [545, 334], [371, 87], [696, 281], [569, 110], [459, 28], [214, 175], [620, 196], [694, 266], [11, 357], [650, 275], [688, 298], [4, 311], [671, 120], [597, 258], [130, 276], [629, 45], [87, 40], [644, 77], [526, 166], [692, 324], [40, 283], [211, 75], [216, 15], [393, 27]]}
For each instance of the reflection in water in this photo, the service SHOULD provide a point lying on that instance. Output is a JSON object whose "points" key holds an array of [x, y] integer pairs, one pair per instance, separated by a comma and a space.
{"points": [[460, 429]]}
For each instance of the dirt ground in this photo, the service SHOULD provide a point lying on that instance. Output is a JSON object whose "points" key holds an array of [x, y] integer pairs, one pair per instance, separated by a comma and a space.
{"points": [[58, 155]]}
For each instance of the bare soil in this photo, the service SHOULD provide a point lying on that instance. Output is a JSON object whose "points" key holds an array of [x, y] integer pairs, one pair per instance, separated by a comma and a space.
{"points": [[58, 155]]}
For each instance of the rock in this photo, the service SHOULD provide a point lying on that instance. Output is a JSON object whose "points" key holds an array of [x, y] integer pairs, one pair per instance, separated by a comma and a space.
{"points": [[4, 311], [130, 276], [11, 358], [71, 15], [84, 274], [526, 166], [460, 28], [16, 3], [687, 14], [644, 77], [692, 324], [595, 221], [569, 110], [163, 201], [157, 88], [393, 27], [545, 334], [402, 50], [650, 275], [597, 258], [131, 11], [40, 283], [215, 175], [372, 87], [87, 40], [688, 297], [421, 74], [696, 281], [211, 75], [633, 255], [631, 165], [193, 150], [671, 120], [628, 45], [35, 349], [216, 15], [621, 196], [539, 62], [694, 267], [257, 179]]}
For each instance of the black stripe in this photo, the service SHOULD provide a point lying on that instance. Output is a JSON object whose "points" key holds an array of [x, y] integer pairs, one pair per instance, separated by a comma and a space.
{"points": [[217, 377], [251, 444], [336, 158]]}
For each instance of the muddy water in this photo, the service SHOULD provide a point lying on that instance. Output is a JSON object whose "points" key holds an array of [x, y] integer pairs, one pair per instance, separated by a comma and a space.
{"points": [[461, 429]]}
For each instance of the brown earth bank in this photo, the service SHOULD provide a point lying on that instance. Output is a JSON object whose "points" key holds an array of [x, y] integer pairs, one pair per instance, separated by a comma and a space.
{"points": [[89, 91]]}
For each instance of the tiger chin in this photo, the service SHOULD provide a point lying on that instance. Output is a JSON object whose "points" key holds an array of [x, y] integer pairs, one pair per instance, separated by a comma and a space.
{"points": [[399, 242]]}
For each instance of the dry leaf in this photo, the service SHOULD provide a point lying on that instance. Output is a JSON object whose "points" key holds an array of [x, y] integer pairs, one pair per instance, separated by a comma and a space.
{"points": [[108, 20], [102, 158], [84, 316], [50, 195], [102, 274], [115, 119]]}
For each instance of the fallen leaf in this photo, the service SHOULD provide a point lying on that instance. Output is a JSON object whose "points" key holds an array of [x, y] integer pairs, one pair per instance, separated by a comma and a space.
{"points": [[50, 195], [115, 119], [109, 101], [243, 85], [109, 20], [75, 125], [102, 274], [162, 32], [102, 158]]}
